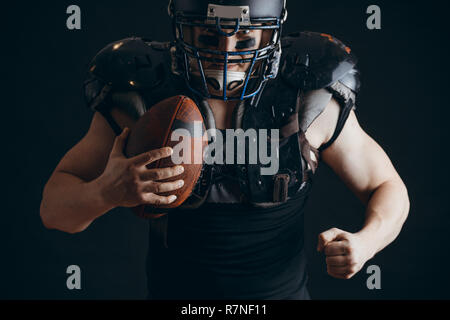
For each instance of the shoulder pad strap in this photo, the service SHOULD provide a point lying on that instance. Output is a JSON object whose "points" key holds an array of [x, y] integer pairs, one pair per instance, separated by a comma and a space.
{"points": [[312, 104], [343, 116], [314, 60], [131, 102]]}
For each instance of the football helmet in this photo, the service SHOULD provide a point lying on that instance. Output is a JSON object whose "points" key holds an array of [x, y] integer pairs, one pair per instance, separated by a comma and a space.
{"points": [[217, 71]]}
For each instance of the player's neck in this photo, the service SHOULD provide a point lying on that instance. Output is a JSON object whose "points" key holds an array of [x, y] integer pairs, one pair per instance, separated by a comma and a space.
{"points": [[223, 111]]}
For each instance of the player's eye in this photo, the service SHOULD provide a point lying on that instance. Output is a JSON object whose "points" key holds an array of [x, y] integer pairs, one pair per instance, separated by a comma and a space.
{"points": [[208, 40], [246, 43]]}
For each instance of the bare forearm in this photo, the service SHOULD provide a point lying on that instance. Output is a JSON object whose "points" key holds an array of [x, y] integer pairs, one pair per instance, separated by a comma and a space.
{"points": [[70, 204], [386, 212]]}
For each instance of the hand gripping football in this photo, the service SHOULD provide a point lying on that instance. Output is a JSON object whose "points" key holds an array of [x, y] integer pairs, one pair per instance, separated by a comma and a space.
{"points": [[178, 123]]}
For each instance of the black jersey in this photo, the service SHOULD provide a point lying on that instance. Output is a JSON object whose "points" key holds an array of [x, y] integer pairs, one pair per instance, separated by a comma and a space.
{"points": [[232, 251]]}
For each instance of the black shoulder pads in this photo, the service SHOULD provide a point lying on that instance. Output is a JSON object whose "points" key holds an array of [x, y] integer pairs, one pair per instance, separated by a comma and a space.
{"points": [[128, 64], [312, 61], [130, 61]]}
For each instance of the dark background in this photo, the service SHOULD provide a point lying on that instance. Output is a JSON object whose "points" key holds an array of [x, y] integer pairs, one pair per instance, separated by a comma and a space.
{"points": [[402, 105]]}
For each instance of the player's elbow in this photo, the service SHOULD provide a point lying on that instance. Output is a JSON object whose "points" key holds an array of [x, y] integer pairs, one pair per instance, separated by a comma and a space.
{"points": [[403, 197], [50, 220], [52, 224], [45, 214], [406, 201]]}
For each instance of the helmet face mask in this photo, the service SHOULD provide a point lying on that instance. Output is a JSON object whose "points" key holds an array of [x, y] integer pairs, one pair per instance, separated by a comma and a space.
{"points": [[226, 52]]}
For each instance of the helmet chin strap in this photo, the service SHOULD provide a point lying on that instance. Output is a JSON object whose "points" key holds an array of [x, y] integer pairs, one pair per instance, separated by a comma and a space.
{"points": [[234, 79]]}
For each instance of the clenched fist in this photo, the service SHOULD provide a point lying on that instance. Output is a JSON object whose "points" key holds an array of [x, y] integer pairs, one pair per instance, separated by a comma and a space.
{"points": [[127, 182], [346, 253]]}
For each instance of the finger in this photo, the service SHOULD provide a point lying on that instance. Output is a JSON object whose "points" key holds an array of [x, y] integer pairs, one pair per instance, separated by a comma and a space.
{"points": [[154, 199], [341, 271], [160, 187], [337, 261], [119, 142], [336, 248], [346, 276], [338, 275], [161, 173], [326, 237], [154, 155]]}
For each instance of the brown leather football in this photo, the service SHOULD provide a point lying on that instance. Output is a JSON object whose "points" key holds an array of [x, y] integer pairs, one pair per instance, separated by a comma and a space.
{"points": [[154, 130]]}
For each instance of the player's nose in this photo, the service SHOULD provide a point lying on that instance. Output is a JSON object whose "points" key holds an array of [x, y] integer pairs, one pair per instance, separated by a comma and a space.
{"points": [[227, 43]]}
